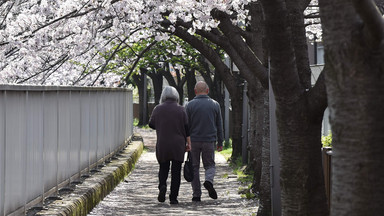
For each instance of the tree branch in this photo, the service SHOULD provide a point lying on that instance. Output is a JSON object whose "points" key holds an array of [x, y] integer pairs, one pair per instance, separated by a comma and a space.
{"points": [[252, 62], [215, 36], [211, 55], [72, 14], [239, 51], [317, 96], [299, 41], [372, 18], [6, 15], [55, 69], [380, 5], [138, 59], [58, 62], [109, 59], [284, 74], [54, 21]]}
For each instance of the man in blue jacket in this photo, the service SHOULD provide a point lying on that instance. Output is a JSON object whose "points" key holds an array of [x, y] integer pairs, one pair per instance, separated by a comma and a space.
{"points": [[205, 127]]}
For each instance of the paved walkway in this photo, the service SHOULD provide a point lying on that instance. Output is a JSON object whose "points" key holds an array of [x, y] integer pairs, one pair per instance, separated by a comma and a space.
{"points": [[137, 195]]}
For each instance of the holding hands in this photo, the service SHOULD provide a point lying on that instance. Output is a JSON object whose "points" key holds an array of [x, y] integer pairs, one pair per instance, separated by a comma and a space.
{"points": [[219, 148], [188, 146]]}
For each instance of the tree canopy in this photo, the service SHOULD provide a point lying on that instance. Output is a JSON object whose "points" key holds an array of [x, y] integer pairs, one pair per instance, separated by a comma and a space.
{"points": [[89, 42], [62, 42]]}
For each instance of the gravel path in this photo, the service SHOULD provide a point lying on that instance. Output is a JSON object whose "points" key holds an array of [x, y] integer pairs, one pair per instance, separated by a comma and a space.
{"points": [[137, 195]]}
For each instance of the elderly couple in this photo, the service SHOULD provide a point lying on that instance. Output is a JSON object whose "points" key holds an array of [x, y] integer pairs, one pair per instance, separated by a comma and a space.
{"points": [[195, 128]]}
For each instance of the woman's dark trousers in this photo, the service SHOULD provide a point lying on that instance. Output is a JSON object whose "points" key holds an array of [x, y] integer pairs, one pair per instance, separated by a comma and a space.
{"points": [[175, 177]]}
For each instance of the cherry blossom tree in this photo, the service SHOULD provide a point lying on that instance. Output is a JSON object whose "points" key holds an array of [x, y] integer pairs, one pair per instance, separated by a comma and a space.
{"points": [[58, 42], [44, 41], [300, 106], [353, 38]]}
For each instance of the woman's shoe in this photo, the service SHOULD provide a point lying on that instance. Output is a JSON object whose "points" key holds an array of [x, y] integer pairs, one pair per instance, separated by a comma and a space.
{"points": [[162, 191], [196, 199]]}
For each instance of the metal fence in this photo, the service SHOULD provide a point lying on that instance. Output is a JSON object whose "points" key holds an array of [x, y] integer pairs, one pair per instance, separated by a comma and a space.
{"points": [[50, 136]]}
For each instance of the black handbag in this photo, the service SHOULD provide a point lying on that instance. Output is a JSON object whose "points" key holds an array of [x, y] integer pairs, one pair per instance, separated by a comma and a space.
{"points": [[188, 168]]}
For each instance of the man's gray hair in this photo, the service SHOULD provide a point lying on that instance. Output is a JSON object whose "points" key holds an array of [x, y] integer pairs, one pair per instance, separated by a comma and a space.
{"points": [[169, 92]]}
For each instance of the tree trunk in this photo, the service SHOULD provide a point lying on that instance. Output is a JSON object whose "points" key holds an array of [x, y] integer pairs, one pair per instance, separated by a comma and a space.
{"points": [[177, 85], [157, 80], [214, 83], [265, 186], [355, 87], [253, 146], [299, 112], [180, 90], [217, 91], [255, 135], [215, 88], [180, 86], [191, 82], [140, 85], [302, 179], [237, 118]]}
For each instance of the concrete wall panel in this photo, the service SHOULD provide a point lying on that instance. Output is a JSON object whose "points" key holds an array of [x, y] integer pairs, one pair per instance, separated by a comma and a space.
{"points": [[2, 150], [49, 134], [15, 151]]}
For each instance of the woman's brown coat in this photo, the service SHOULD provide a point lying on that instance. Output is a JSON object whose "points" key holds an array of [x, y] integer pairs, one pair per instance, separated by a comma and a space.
{"points": [[170, 121]]}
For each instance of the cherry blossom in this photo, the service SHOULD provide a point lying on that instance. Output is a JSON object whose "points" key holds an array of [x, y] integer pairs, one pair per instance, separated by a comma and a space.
{"points": [[63, 42]]}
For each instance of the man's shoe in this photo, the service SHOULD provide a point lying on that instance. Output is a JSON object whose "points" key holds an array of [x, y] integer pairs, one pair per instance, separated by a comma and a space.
{"points": [[174, 202], [211, 191], [196, 199], [162, 191]]}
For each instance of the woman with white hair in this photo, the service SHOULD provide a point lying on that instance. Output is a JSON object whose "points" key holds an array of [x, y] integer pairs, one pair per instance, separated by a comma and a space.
{"points": [[170, 121]]}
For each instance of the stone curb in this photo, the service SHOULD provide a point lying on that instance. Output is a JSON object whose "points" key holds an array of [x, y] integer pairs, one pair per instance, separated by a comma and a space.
{"points": [[93, 189]]}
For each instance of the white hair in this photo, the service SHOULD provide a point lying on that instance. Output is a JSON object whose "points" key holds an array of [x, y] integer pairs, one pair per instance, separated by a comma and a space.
{"points": [[169, 92]]}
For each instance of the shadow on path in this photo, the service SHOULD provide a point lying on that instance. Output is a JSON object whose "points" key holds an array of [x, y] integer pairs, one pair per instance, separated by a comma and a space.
{"points": [[137, 195]]}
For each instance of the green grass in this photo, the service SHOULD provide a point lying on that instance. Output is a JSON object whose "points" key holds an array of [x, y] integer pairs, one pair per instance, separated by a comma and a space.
{"points": [[246, 192], [327, 140], [145, 149], [239, 169], [227, 150], [226, 153], [136, 123]]}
